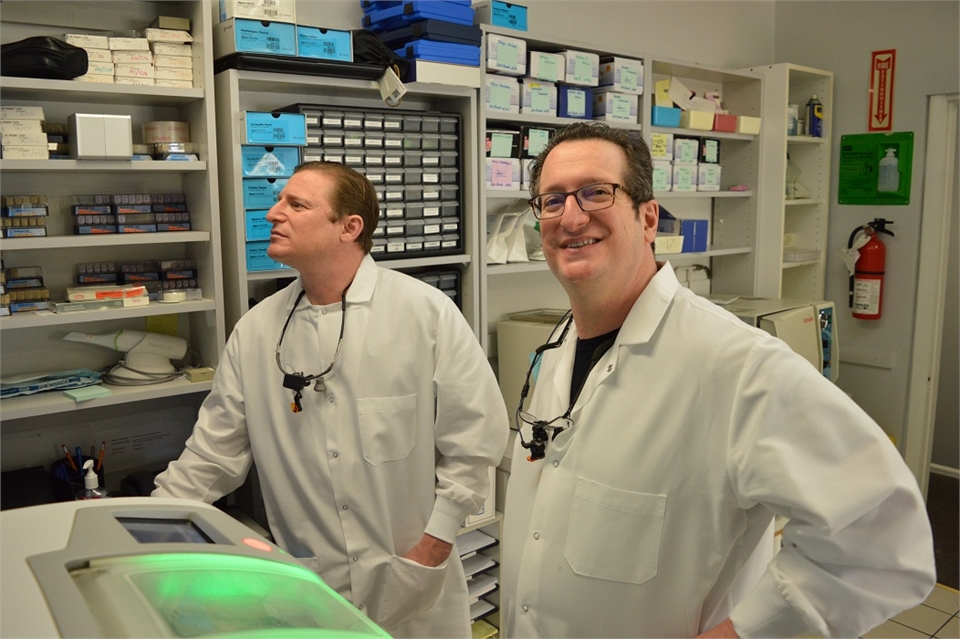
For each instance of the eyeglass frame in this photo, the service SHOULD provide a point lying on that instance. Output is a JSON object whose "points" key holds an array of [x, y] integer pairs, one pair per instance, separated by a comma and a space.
{"points": [[538, 208], [538, 445]]}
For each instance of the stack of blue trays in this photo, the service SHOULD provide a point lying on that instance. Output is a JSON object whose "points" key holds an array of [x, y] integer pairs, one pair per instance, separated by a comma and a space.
{"points": [[434, 30]]}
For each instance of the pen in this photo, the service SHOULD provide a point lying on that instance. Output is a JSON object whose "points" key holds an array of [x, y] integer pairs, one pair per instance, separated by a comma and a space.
{"points": [[79, 458], [70, 461], [103, 445]]}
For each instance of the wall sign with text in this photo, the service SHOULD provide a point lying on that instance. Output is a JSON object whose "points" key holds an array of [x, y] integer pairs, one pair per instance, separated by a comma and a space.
{"points": [[875, 168], [882, 65]]}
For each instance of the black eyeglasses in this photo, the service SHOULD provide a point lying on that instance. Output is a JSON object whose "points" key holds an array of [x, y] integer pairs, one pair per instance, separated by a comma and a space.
{"points": [[538, 443], [592, 197]]}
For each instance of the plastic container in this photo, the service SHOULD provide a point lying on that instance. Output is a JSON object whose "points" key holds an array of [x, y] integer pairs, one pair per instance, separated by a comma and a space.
{"points": [[889, 180], [793, 115], [815, 117], [91, 484]]}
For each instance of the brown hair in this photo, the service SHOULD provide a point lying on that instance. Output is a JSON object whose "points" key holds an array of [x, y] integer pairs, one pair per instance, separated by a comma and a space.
{"points": [[352, 195]]}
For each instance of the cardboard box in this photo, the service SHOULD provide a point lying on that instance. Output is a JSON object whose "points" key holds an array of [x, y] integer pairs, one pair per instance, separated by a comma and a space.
{"points": [[614, 106], [622, 74], [239, 35], [548, 67], [581, 67], [502, 95], [257, 258], [256, 226], [669, 244], [85, 41], [686, 150], [533, 139], [262, 193], [708, 177], [269, 161], [274, 128], [574, 102], [500, 14], [538, 97], [505, 55], [662, 175], [502, 143], [279, 10], [324, 44], [503, 173], [661, 146], [684, 177]]}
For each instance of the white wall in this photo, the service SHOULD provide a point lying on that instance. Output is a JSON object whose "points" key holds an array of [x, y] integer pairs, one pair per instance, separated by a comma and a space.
{"points": [[840, 36]]}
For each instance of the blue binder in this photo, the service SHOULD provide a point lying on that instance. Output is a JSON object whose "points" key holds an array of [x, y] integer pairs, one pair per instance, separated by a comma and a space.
{"points": [[441, 52], [435, 30], [416, 10]]}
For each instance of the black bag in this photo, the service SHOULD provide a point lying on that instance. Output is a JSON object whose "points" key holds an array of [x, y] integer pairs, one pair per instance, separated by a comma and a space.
{"points": [[368, 49], [42, 57]]}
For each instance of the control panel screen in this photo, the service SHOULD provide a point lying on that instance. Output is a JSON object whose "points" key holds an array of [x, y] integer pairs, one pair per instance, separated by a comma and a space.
{"points": [[164, 531]]}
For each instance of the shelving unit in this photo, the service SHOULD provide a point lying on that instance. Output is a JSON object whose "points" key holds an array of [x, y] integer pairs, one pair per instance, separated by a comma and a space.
{"points": [[239, 91], [481, 563], [734, 215], [32, 342], [805, 219]]}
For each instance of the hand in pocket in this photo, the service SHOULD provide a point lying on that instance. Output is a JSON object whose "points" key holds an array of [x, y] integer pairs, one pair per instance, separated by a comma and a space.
{"points": [[407, 590]]}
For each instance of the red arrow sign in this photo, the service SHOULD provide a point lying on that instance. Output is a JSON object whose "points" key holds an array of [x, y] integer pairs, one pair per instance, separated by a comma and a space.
{"points": [[882, 66]]}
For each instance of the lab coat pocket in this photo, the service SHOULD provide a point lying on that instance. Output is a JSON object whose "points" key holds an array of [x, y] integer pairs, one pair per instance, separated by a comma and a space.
{"points": [[388, 427], [614, 534], [408, 590]]}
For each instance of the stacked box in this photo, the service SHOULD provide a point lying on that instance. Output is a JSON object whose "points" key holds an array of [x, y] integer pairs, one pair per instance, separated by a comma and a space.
{"points": [[23, 290], [21, 133], [23, 215]]}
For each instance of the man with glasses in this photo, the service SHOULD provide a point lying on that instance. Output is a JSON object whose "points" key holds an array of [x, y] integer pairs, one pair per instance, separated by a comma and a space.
{"points": [[663, 436], [368, 406]]}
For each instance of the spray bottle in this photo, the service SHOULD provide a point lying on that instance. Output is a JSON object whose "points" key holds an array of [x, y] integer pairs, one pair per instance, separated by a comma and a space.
{"points": [[91, 484], [815, 118]]}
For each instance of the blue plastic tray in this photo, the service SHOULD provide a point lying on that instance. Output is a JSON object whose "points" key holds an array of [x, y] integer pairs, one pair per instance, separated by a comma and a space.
{"points": [[415, 10], [441, 52]]}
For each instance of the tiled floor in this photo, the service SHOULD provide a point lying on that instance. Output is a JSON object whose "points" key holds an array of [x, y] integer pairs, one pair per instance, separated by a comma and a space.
{"points": [[936, 617]]}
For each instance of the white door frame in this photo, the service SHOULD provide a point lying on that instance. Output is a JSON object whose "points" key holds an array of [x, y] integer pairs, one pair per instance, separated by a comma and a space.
{"points": [[939, 173]]}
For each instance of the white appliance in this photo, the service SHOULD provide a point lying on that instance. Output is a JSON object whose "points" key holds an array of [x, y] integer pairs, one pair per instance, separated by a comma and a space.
{"points": [[808, 327], [151, 567]]}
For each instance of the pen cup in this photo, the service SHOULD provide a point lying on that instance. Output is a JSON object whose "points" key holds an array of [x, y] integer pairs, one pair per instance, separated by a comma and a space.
{"points": [[67, 482]]}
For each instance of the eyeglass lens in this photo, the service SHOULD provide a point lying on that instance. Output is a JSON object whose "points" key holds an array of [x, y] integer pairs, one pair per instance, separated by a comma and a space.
{"points": [[592, 197]]}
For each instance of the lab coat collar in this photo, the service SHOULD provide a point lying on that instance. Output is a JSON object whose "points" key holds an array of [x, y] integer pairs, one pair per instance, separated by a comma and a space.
{"points": [[360, 291], [639, 327]]}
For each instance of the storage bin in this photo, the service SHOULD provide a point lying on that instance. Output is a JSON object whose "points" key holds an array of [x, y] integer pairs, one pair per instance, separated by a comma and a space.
{"points": [[665, 116], [667, 244], [699, 120], [724, 122], [748, 125]]}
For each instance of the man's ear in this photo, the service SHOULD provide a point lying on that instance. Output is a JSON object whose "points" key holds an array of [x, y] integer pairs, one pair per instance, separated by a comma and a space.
{"points": [[350, 228], [649, 213]]}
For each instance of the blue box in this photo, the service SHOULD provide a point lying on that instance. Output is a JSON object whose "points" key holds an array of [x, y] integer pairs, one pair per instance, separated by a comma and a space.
{"points": [[262, 193], [258, 260], [256, 224], [694, 234], [574, 102], [325, 44], [269, 161], [238, 35], [665, 116], [274, 128], [502, 14]]}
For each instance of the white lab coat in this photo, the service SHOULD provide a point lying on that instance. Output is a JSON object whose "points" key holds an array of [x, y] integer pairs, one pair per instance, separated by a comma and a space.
{"points": [[651, 516], [399, 443]]}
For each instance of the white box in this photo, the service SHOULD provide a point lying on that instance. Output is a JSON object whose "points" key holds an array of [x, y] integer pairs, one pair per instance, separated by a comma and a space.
{"points": [[170, 48], [131, 57], [10, 125], [686, 150], [614, 106], [503, 173], [506, 55], [708, 177], [279, 10], [622, 74], [23, 138], [101, 68], [100, 137], [538, 97], [177, 84], [581, 68], [25, 152], [141, 82], [85, 41], [142, 71], [91, 77], [684, 177], [661, 146], [669, 244], [501, 95], [173, 61], [168, 35], [129, 44], [99, 55], [548, 67], [21, 113], [525, 164], [662, 175], [171, 73]]}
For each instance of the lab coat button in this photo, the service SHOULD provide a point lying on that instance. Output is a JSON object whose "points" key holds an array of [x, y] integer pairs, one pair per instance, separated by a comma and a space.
{"points": [[556, 462], [536, 535], [334, 454], [525, 608], [323, 312], [356, 558], [609, 367], [330, 399], [345, 507]]}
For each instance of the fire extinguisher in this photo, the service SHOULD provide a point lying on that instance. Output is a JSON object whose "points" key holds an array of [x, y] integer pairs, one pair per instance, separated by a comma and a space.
{"points": [[866, 282]]}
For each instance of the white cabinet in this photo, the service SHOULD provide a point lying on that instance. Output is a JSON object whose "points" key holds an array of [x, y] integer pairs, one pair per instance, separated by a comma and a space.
{"points": [[239, 91], [795, 212], [733, 215], [31, 342]]}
